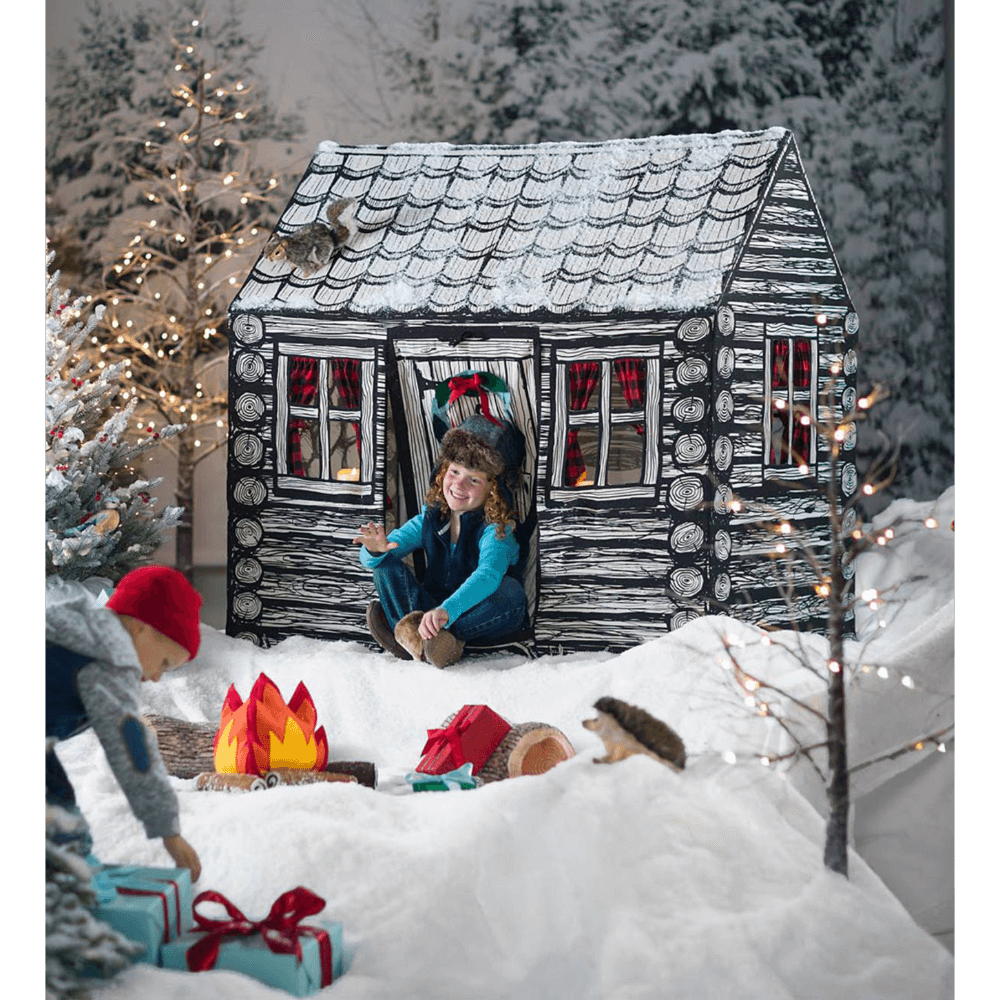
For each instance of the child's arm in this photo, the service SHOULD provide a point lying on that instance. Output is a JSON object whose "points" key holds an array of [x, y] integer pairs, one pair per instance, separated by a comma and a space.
{"points": [[110, 694], [496, 556], [402, 541]]}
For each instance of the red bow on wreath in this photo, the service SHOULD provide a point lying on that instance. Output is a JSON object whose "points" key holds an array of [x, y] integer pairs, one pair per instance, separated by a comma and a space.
{"points": [[280, 929], [461, 384]]}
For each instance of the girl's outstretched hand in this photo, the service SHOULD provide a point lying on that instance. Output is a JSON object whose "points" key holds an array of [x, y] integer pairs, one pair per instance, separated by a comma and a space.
{"points": [[372, 537]]}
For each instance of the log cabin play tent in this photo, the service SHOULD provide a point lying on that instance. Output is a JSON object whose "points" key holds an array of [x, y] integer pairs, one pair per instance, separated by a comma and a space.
{"points": [[646, 310]]}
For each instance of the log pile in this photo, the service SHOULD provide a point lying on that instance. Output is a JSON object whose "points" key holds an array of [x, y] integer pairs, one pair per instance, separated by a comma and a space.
{"points": [[188, 751]]}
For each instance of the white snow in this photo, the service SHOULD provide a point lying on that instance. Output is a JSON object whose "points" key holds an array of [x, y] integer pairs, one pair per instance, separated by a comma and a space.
{"points": [[592, 880]]}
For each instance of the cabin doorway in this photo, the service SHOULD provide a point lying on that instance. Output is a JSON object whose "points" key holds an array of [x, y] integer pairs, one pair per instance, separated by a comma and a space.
{"points": [[418, 361]]}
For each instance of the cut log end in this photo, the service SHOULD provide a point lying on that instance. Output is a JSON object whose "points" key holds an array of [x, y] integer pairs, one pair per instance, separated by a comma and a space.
{"points": [[529, 748]]}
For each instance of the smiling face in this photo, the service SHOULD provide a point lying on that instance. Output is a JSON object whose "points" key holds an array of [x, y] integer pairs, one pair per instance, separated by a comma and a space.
{"points": [[465, 489]]}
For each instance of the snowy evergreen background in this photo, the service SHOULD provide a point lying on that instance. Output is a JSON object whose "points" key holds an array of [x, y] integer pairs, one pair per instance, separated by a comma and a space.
{"points": [[862, 83]]}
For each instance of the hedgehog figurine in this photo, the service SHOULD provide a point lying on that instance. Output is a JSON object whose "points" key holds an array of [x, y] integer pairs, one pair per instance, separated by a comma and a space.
{"points": [[626, 730], [314, 245]]}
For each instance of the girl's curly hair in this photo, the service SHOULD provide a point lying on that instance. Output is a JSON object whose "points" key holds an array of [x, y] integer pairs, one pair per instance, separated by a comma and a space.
{"points": [[495, 509]]}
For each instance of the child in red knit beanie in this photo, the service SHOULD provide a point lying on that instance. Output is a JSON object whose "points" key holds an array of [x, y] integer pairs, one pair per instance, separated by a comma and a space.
{"points": [[95, 659]]}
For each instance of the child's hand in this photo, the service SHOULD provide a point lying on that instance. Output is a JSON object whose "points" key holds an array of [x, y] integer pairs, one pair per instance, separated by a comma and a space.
{"points": [[184, 854], [372, 537], [432, 623]]}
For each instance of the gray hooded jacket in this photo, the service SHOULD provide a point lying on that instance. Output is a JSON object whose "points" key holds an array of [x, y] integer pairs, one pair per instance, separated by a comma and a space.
{"points": [[108, 686]]}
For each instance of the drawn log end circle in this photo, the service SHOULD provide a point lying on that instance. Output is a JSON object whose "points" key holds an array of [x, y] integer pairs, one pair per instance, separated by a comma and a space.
{"points": [[682, 618], [725, 320], [849, 479], [851, 323], [248, 329], [725, 362], [696, 328], [247, 606], [249, 637], [248, 570], [689, 410], [723, 545], [723, 453], [849, 398], [722, 587], [249, 407], [691, 371], [724, 406], [247, 448], [686, 538], [723, 499], [689, 448], [686, 493], [686, 581], [248, 532], [249, 492], [249, 366], [850, 362]]}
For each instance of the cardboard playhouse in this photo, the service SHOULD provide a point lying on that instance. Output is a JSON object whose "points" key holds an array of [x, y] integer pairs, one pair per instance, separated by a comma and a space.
{"points": [[648, 311]]}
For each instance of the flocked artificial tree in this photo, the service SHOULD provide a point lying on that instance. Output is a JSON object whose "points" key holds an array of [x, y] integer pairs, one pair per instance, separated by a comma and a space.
{"points": [[100, 517], [78, 946]]}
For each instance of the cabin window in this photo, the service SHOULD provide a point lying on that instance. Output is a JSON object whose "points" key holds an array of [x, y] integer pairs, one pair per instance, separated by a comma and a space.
{"points": [[323, 422], [607, 425], [790, 402]]}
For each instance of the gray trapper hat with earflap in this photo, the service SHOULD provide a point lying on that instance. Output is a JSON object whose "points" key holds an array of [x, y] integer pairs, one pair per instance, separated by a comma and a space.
{"points": [[490, 446]]}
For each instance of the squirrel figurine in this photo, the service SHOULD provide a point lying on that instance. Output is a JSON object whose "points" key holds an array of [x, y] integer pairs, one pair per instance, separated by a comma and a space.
{"points": [[314, 245]]}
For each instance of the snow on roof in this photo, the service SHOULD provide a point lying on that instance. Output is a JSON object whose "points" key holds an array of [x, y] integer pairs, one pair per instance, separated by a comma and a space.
{"points": [[624, 226]]}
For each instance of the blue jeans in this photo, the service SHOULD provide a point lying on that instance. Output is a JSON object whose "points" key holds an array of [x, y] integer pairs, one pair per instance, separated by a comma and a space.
{"points": [[491, 620]]}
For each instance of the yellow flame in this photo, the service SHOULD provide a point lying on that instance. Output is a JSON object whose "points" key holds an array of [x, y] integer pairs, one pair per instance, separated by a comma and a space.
{"points": [[293, 749]]}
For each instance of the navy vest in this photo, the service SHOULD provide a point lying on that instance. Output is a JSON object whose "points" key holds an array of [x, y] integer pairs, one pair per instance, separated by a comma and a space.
{"points": [[64, 711]]}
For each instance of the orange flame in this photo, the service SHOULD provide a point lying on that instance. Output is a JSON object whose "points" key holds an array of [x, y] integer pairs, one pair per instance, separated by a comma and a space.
{"points": [[263, 732]]}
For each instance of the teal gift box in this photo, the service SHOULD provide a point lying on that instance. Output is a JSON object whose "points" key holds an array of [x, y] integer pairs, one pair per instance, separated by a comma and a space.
{"points": [[278, 951], [151, 905]]}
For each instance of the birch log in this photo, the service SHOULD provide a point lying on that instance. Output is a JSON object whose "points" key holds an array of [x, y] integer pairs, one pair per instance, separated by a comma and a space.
{"points": [[529, 748]]}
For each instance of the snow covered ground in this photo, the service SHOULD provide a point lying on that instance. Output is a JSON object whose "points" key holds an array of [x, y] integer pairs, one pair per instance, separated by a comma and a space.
{"points": [[592, 881]]}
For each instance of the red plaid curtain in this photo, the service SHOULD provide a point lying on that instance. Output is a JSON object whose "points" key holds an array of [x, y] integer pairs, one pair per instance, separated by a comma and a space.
{"points": [[631, 374], [802, 367], [583, 379], [779, 364], [346, 376], [302, 386]]}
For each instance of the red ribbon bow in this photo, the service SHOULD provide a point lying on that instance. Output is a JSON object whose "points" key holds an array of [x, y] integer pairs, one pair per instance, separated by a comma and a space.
{"points": [[450, 736], [461, 384], [280, 929]]}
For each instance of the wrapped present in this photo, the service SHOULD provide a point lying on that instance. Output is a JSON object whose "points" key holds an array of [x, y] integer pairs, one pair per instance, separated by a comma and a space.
{"points": [[278, 950], [460, 778], [150, 905], [472, 734]]}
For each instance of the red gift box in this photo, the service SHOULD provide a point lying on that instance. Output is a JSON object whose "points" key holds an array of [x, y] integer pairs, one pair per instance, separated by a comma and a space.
{"points": [[472, 735]]}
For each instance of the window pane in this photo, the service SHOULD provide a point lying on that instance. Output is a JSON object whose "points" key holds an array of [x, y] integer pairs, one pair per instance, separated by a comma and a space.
{"points": [[345, 461], [303, 376], [303, 457], [779, 436], [584, 385], [801, 440], [629, 389], [581, 456], [779, 364], [345, 383], [803, 364], [625, 455]]}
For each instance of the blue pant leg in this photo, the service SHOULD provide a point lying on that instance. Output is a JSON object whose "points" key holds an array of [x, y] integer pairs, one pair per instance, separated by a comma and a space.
{"points": [[493, 619], [398, 590]]}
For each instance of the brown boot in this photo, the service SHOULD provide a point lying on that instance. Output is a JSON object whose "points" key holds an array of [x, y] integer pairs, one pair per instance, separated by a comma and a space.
{"points": [[444, 649], [378, 625], [408, 637]]}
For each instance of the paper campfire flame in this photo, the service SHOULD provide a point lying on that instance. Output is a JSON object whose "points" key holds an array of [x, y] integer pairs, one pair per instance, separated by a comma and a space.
{"points": [[263, 733]]}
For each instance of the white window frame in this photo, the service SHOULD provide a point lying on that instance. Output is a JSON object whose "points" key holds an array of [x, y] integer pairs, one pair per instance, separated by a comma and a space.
{"points": [[322, 413], [792, 396], [602, 417]]}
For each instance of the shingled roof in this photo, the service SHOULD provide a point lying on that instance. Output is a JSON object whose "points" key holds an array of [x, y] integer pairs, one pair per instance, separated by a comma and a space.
{"points": [[602, 228]]}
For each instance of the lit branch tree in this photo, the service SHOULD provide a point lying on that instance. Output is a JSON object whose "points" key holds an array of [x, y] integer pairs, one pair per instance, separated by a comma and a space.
{"points": [[169, 290], [99, 515], [804, 570]]}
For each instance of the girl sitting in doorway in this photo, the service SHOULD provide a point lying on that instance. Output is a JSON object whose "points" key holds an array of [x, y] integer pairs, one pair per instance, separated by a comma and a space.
{"points": [[470, 590]]}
